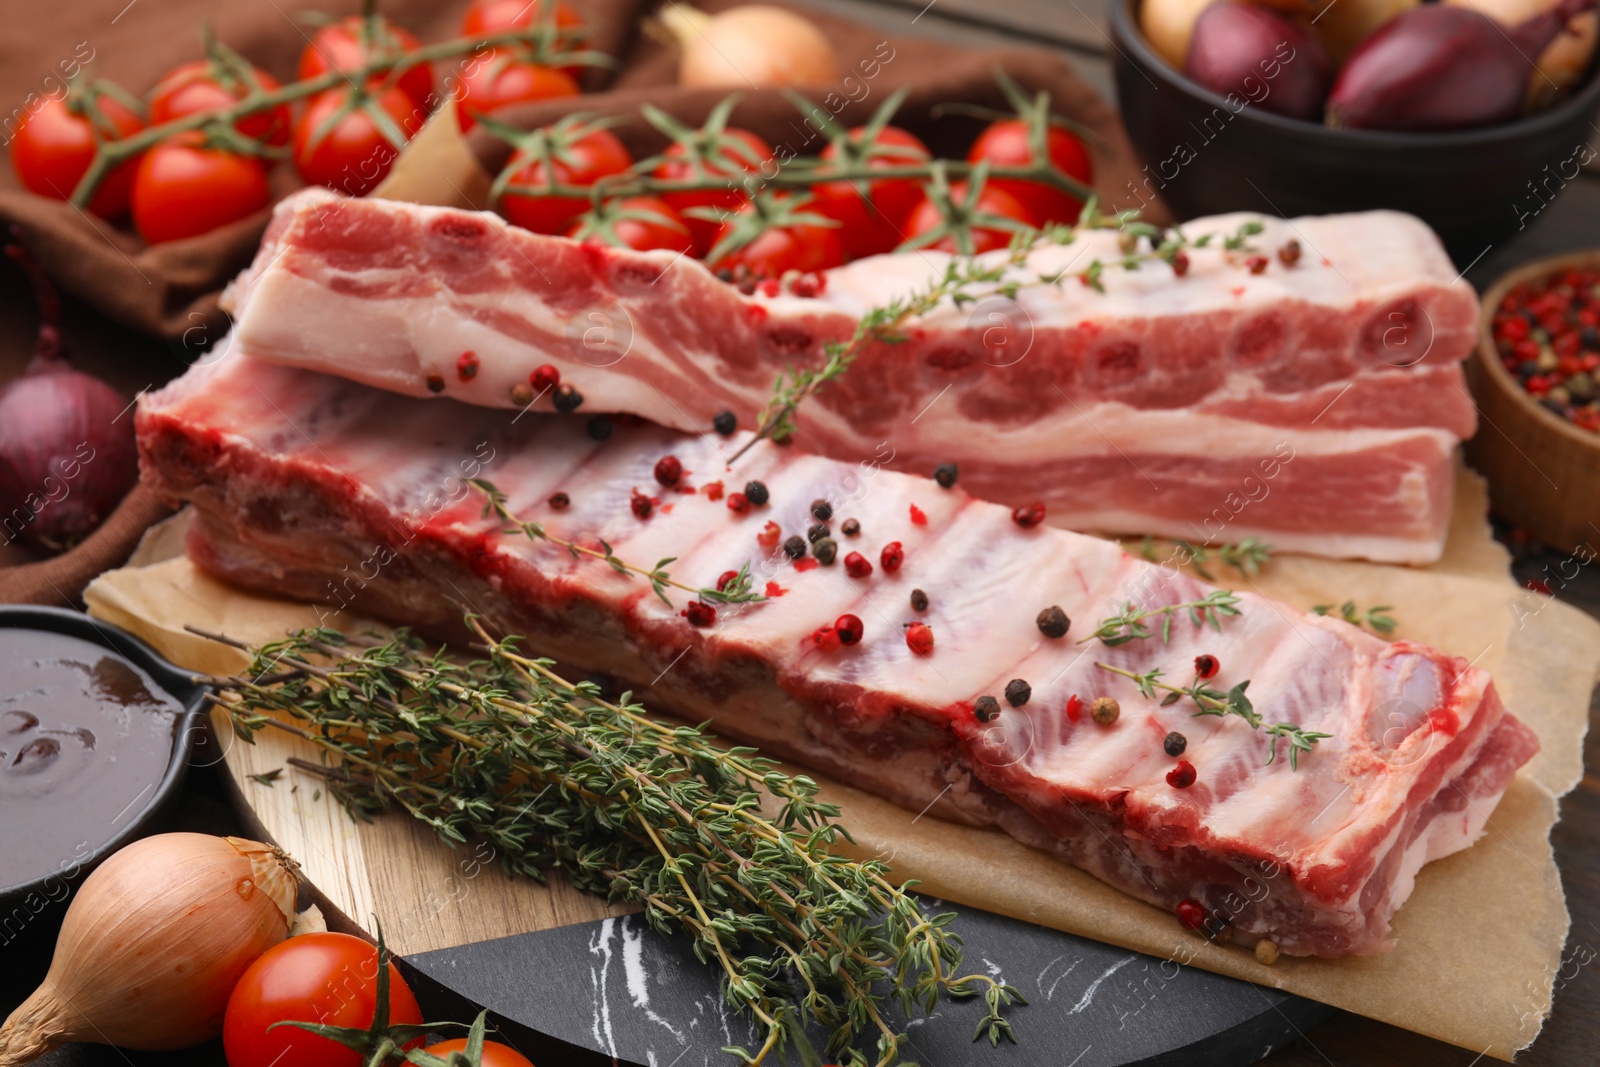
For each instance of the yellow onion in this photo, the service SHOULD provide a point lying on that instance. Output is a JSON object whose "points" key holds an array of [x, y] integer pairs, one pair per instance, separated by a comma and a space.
{"points": [[1168, 25], [154, 943], [750, 46]]}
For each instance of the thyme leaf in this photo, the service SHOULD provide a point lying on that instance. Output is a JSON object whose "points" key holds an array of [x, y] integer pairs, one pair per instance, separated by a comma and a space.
{"points": [[1209, 700], [1129, 624], [1374, 618]]}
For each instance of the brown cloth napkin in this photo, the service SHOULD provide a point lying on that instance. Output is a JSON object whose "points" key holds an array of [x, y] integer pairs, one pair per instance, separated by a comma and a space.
{"points": [[170, 291]]}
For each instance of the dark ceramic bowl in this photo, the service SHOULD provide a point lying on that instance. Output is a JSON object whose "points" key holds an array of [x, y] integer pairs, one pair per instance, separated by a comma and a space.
{"points": [[20, 901], [1475, 187]]}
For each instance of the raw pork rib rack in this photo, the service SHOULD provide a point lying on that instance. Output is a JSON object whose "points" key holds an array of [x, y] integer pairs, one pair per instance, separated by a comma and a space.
{"points": [[316, 487], [1315, 406]]}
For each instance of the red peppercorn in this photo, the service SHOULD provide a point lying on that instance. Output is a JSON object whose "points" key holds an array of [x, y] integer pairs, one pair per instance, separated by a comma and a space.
{"points": [[1191, 914], [725, 579], [1257, 264], [1074, 708], [770, 535], [919, 638], [699, 613], [826, 638], [738, 503], [544, 377], [1180, 263], [669, 471], [891, 557], [1181, 776], [642, 505], [1028, 515], [850, 629], [1206, 666], [856, 565], [467, 366], [559, 501]]}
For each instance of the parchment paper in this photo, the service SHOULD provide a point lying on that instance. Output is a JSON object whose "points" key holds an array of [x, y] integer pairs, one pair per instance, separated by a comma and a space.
{"points": [[1480, 940]]}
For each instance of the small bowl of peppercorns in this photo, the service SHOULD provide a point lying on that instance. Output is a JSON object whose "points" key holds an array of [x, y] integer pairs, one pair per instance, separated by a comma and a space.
{"points": [[1536, 378]]}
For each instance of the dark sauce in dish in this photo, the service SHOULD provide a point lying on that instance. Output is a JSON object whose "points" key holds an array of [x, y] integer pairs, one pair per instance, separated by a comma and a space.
{"points": [[85, 739]]}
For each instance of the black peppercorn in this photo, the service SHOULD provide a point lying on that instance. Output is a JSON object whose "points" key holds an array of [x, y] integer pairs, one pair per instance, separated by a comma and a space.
{"points": [[1053, 622], [817, 532], [850, 528], [725, 422], [435, 383], [1018, 692], [821, 510], [600, 427], [826, 551], [756, 493], [1175, 743], [919, 600], [945, 474], [567, 399], [795, 547], [559, 501], [986, 708]]}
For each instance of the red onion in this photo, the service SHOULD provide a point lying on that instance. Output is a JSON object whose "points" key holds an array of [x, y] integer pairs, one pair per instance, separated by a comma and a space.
{"points": [[1259, 57], [66, 439], [1439, 68]]}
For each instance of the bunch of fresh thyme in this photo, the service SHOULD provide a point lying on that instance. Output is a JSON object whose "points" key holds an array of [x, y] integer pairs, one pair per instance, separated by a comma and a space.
{"points": [[630, 806], [1247, 556]]}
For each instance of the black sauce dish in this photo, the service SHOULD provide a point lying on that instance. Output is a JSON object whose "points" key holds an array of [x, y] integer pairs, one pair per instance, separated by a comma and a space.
{"points": [[1204, 155], [32, 884]]}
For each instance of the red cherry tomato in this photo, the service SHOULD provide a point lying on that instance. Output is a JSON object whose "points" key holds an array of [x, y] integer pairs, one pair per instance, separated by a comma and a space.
{"points": [[492, 16], [785, 248], [726, 164], [584, 162], [984, 238], [496, 79], [354, 155], [343, 45], [316, 978], [666, 232], [197, 86], [53, 147], [494, 1053], [870, 228], [1005, 143], [183, 189]]}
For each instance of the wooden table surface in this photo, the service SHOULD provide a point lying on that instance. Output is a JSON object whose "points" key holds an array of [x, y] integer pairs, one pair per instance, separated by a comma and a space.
{"points": [[1076, 28]]}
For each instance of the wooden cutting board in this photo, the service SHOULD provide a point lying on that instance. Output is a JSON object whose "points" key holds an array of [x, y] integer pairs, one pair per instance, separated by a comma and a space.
{"points": [[1488, 992]]}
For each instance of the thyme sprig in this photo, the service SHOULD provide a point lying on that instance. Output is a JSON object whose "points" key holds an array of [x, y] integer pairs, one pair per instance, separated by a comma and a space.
{"points": [[1129, 624], [1247, 557], [628, 805], [1210, 700], [738, 591], [1373, 618]]}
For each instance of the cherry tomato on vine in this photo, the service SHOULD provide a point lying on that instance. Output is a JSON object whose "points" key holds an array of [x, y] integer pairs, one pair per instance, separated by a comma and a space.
{"points": [[870, 228], [353, 156], [991, 200], [497, 79], [183, 189], [585, 161], [494, 1053], [322, 978], [53, 146], [664, 232], [201, 86], [783, 248], [344, 45], [727, 163], [1005, 143], [493, 16]]}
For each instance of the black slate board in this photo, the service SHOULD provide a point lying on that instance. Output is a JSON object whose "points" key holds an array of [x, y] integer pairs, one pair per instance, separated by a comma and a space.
{"points": [[616, 992]]}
